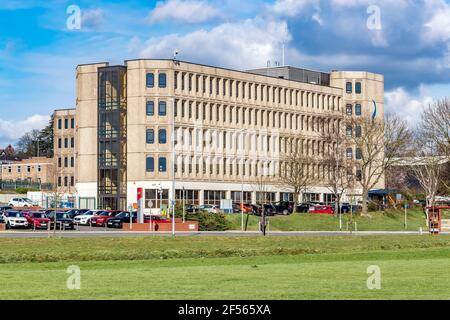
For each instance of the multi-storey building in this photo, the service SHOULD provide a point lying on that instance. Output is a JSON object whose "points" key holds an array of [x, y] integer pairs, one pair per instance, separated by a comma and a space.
{"points": [[229, 129], [64, 149]]}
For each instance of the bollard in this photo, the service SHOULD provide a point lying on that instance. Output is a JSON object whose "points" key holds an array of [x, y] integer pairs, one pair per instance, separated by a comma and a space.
{"points": [[420, 231]]}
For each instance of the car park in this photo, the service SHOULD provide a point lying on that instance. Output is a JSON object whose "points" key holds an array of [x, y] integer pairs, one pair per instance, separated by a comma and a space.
{"points": [[14, 219], [321, 209], [120, 219], [37, 219], [61, 219], [100, 219], [21, 202], [85, 218]]}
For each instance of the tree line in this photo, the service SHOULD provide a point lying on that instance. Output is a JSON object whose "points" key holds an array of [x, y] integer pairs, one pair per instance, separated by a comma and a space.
{"points": [[362, 152]]}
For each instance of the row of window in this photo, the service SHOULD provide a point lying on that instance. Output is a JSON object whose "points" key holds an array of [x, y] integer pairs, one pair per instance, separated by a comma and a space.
{"points": [[349, 110], [349, 87], [150, 164], [249, 168], [68, 181], [66, 123], [66, 143], [191, 110], [162, 136], [28, 169], [189, 138], [66, 162], [162, 80], [254, 91], [162, 108]]}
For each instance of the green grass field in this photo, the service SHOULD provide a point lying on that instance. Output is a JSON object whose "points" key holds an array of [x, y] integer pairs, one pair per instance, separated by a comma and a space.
{"points": [[412, 267], [391, 220]]}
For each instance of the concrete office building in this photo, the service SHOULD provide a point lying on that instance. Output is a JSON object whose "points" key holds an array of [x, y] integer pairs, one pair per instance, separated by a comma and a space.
{"points": [[230, 128], [64, 150]]}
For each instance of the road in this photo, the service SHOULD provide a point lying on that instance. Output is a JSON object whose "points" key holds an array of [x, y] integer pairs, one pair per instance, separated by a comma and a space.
{"points": [[86, 233]]}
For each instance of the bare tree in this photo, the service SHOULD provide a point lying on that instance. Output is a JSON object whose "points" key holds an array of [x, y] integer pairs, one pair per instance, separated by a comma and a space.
{"points": [[261, 187], [295, 166], [335, 163], [435, 124], [434, 129], [378, 148]]}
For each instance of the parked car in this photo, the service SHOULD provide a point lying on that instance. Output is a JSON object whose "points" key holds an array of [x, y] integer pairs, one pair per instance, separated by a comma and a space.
{"points": [[5, 208], [209, 208], [120, 219], [21, 202], [100, 219], [190, 208], [303, 207], [269, 210], [246, 208], [284, 207], [76, 212], [14, 219], [321, 209], [85, 218], [61, 219], [37, 219]]}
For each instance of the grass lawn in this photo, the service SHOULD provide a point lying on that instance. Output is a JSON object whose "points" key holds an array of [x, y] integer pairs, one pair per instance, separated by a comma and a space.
{"points": [[391, 220], [226, 268]]}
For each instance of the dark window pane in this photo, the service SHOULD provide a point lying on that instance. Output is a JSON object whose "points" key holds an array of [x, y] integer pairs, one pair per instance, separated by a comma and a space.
{"points": [[150, 80], [150, 108], [349, 87], [150, 136], [358, 87], [162, 108], [162, 136], [162, 80], [162, 164], [358, 110], [150, 164]]}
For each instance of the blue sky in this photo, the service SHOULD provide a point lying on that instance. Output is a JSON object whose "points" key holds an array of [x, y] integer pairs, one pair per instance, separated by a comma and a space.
{"points": [[39, 54]]}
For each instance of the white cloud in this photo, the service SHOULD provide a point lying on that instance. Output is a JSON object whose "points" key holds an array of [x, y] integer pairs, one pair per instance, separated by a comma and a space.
{"points": [[292, 8], [407, 105], [11, 131], [244, 44], [184, 11], [438, 26], [381, 3]]}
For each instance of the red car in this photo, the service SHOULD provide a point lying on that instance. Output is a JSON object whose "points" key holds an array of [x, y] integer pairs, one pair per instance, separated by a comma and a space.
{"points": [[319, 209], [100, 220], [36, 219]]}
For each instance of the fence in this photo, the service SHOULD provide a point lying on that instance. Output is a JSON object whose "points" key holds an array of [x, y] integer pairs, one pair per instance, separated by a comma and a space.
{"points": [[24, 184]]}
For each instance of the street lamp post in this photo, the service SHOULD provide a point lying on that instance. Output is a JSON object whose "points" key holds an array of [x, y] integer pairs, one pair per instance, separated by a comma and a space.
{"points": [[173, 166], [242, 204]]}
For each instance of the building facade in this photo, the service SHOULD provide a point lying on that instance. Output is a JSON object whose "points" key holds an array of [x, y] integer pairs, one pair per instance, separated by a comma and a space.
{"points": [[224, 131], [39, 171], [64, 149]]}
